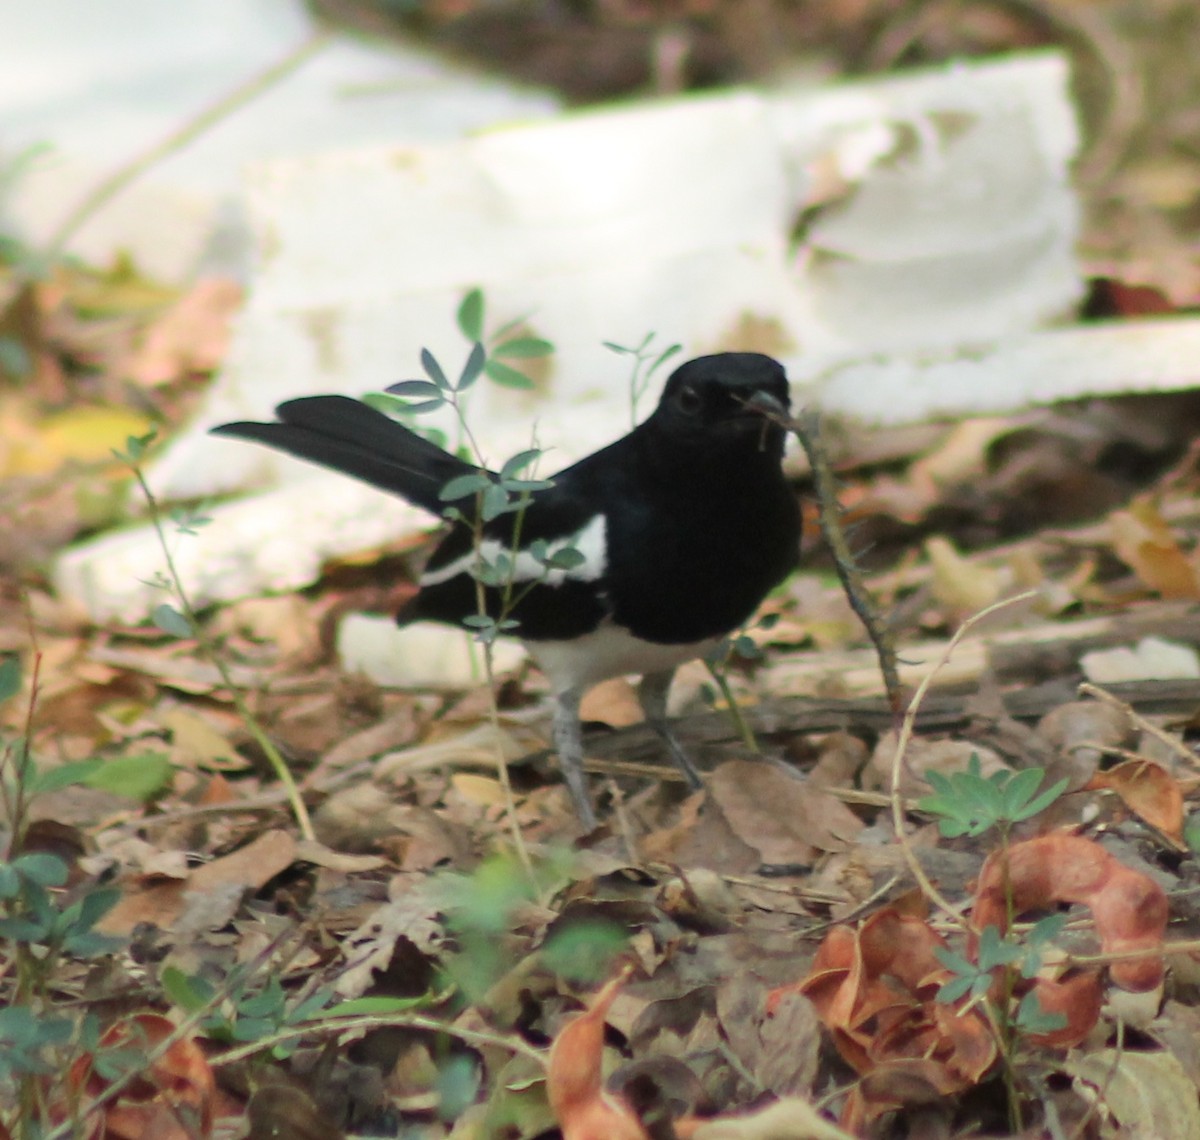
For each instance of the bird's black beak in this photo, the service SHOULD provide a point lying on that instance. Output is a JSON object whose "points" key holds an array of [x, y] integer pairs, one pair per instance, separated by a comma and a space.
{"points": [[764, 404]]}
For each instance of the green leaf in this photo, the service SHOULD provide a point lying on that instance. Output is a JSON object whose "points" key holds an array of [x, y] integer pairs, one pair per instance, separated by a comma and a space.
{"points": [[10, 881], [583, 953], [508, 377], [664, 356], [954, 989], [470, 315], [473, 368], [519, 462], [414, 390], [171, 621], [63, 776], [310, 1007], [528, 486], [95, 905], [495, 502], [23, 930], [190, 993], [139, 777], [524, 348], [1041, 802], [135, 448], [567, 558], [268, 1003], [463, 485], [433, 370], [10, 678], [995, 950], [1021, 788], [252, 1028], [1033, 1019], [41, 868], [372, 1007]]}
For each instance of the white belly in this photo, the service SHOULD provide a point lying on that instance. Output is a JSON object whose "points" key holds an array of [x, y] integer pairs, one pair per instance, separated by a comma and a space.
{"points": [[609, 651]]}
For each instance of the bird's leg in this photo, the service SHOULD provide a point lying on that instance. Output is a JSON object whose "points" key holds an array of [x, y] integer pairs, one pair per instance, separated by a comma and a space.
{"points": [[568, 739], [652, 693]]}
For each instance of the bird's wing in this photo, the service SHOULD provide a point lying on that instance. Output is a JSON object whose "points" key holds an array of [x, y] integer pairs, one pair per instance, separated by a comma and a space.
{"points": [[353, 438]]}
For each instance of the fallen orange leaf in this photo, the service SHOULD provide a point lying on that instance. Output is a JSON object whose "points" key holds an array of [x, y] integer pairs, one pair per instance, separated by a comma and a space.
{"points": [[171, 1098], [585, 1110], [1129, 909]]}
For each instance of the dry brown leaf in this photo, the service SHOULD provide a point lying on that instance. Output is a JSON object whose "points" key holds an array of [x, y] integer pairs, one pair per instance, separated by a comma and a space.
{"points": [[962, 585], [785, 818], [1145, 1094], [250, 867], [613, 702], [1149, 791], [1142, 540]]}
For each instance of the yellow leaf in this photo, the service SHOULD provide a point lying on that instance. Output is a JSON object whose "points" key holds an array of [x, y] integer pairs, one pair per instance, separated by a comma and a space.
{"points": [[82, 435]]}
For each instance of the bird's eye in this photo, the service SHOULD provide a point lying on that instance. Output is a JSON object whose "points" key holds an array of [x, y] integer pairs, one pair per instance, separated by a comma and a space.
{"points": [[688, 401]]}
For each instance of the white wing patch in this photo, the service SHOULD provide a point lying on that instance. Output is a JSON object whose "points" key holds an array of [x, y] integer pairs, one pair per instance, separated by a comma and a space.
{"points": [[590, 540]]}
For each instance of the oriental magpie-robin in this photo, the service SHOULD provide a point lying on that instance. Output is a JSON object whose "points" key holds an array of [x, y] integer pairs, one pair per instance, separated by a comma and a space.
{"points": [[683, 525]]}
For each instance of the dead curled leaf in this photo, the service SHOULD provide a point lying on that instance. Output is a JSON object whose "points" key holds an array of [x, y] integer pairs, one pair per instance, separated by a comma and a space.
{"points": [[875, 989], [585, 1110], [1129, 909], [170, 1099]]}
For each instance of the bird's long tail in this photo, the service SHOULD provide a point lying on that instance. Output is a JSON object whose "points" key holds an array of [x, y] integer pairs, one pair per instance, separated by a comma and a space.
{"points": [[355, 439]]}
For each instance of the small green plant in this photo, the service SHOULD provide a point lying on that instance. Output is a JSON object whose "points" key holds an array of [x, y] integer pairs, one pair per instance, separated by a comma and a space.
{"points": [[41, 924], [480, 910], [178, 618], [510, 490], [246, 1007], [498, 587], [646, 362], [969, 803]]}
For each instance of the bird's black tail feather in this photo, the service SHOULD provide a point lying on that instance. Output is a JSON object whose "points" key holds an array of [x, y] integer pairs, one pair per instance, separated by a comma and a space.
{"points": [[355, 439]]}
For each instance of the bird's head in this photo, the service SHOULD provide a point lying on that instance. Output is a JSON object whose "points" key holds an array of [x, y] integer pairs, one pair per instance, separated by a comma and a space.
{"points": [[729, 401]]}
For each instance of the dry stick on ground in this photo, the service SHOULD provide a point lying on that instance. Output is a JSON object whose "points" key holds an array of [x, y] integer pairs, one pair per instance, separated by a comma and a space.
{"points": [[1140, 722], [807, 430]]}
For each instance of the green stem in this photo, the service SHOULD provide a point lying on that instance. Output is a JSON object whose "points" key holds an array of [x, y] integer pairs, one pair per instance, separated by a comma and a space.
{"points": [[735, 710], [208, 650]]}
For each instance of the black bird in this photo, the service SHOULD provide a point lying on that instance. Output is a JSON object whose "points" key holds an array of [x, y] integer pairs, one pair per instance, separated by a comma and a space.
{"points": [[684, 525]]}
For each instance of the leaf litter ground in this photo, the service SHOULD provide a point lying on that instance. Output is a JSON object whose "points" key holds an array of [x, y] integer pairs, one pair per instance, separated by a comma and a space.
{"points": [[765, 947]]}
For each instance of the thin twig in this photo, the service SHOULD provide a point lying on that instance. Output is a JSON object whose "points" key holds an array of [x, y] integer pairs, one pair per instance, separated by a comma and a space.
{"points": [[1140, 722], [378, 1021], [807, 430], [905, 735]]}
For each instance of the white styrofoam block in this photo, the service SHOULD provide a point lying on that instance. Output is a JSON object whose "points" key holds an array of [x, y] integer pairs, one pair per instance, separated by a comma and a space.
{"points": [[1104, 359], [74, 80], [421, 655]]}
